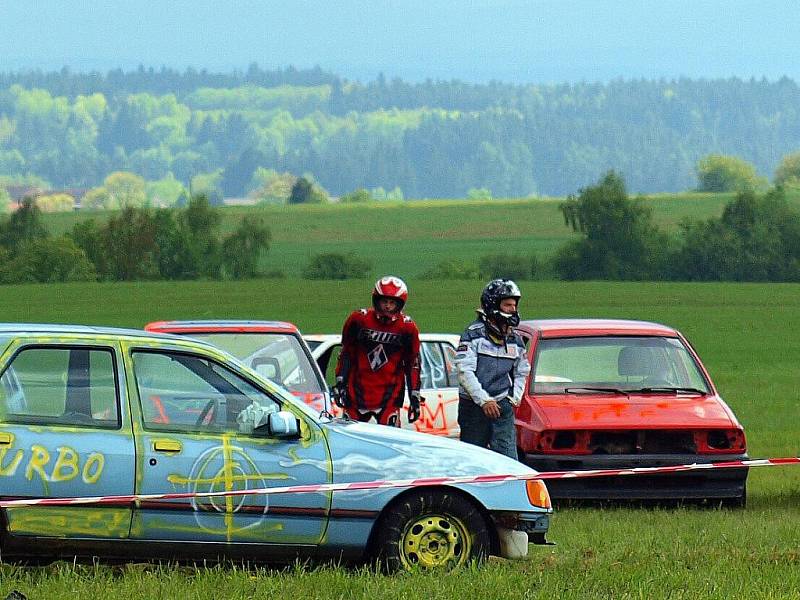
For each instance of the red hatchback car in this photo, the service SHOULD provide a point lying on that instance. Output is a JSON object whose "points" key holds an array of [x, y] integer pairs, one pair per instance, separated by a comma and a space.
{"points": [[615, 394]]}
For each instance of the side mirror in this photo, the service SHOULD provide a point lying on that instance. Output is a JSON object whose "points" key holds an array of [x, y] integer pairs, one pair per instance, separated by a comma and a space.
{"points": [[267, 367], [283, 425]]}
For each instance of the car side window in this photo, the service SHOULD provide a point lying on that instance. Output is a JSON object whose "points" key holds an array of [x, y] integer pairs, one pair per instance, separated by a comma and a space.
{"points": [[71, 386], [450, 364], [185, 392], [434, 373]]}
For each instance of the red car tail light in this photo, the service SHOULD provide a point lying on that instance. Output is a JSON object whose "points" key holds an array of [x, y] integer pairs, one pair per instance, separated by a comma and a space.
{"points": [[720, 441]]}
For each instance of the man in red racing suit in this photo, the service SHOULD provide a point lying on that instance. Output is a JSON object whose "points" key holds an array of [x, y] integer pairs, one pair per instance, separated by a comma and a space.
{"points": [[379, 358]]}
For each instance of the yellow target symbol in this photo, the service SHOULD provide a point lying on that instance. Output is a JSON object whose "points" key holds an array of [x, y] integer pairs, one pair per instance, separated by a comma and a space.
{"points": [[226, 468]]}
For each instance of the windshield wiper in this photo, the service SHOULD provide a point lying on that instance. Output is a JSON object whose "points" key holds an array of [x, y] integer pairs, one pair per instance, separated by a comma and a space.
{"points": [[577, 390], [662, 389]]}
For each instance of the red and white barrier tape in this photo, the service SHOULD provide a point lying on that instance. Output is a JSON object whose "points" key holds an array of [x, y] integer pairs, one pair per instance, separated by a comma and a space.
{"points": [[399, 483]]}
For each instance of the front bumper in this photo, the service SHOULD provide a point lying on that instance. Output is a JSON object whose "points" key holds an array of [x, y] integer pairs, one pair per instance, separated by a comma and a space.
{"points": [[534, 525], [690, 485]]}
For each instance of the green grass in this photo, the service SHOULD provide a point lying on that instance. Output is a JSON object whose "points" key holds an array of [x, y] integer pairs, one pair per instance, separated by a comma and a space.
{"points": [[408, 238], [748, 336]]}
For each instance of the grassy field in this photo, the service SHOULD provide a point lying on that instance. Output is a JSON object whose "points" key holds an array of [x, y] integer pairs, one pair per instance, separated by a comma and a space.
{"points": [[388, 233], [748, 336]]}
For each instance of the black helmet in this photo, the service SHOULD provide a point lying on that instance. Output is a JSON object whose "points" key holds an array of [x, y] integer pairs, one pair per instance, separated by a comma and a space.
{"points": [[496, 291]]}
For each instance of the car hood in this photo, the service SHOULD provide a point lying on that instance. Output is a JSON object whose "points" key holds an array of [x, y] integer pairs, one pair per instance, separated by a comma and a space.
{"points": [[368, 452], [653, 411]]}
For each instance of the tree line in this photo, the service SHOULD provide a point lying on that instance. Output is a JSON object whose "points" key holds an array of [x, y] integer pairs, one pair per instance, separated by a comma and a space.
{"points": [[757, 238], [427, 139], [133, 244]]}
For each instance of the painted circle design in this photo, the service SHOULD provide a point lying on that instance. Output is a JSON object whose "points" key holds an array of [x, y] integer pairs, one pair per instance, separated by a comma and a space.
{"points": [[213, 472]]}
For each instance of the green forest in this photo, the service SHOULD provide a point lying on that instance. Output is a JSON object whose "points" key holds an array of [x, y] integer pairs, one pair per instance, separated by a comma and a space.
{"points": [[431, 139]]}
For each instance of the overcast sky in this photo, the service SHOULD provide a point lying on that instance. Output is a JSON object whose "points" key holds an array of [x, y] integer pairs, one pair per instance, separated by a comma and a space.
{"points": [[477, 40]]}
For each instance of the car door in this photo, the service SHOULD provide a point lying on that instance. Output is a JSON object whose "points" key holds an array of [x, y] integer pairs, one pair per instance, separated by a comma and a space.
{"points": [[65, 431], [188, 407], [439, 387]]}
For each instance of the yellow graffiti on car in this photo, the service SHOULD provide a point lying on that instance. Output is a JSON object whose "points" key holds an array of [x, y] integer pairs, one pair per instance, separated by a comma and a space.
{"points": [[229, 468], [66, 467]]}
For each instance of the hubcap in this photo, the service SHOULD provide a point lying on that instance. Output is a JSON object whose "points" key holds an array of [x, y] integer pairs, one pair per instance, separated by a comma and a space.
{"points": [[435, 541]]}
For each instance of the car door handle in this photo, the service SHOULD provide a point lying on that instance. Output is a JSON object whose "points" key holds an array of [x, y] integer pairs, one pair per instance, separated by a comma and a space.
{"points": [[6, 439], [167, 446]]}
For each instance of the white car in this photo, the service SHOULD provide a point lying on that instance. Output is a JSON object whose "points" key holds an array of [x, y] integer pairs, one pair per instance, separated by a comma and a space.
{"points": [[439, 413]]}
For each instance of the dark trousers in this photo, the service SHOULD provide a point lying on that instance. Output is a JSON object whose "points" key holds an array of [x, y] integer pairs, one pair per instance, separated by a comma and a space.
{"points": [[478, 429]]}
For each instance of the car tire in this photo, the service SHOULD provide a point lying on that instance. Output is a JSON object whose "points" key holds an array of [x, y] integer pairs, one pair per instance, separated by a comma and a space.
{"points": [[431, 529]]}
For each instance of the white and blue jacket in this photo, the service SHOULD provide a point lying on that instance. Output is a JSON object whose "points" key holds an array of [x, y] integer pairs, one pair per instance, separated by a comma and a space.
{"points": [[488, 370]]}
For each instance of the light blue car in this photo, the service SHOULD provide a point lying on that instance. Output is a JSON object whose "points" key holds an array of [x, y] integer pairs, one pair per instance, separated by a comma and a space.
{"points": [[90, 411]]}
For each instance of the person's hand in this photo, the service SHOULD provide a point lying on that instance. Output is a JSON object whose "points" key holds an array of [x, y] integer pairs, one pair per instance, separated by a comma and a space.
{"points": [[491, 409], [414, 401], [339, 393]]}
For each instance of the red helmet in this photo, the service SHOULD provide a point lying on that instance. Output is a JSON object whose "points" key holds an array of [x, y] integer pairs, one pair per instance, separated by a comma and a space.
{"points": [[390, 287]]}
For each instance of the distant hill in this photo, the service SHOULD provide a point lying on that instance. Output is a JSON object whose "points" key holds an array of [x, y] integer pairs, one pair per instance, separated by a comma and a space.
{"points": [[432, 139]]}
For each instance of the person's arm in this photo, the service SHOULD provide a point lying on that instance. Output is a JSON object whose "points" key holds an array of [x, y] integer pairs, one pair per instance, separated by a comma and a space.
{"points": [[346, 358], [412, 372], [411, 360]]}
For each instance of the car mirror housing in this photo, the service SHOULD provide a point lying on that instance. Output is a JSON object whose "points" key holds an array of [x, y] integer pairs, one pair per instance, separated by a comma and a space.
{"points": [[267, 367], [282, 424]]}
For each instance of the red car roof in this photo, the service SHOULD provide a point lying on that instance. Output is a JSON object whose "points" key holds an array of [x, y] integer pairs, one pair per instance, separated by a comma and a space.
{"points": [[221, 326], [587, 327]]}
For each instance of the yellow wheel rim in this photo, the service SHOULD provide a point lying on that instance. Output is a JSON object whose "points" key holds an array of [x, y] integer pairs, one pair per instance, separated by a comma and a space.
{"points": [[435, 541]]}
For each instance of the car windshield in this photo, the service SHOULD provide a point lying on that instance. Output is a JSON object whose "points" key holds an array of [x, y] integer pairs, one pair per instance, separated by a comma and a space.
{"points": [[612, 364], [277, 356]]}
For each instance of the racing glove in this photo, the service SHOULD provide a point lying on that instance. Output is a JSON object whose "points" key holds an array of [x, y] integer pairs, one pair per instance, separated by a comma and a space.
{"points": [[339, 393], [414, 400]]}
